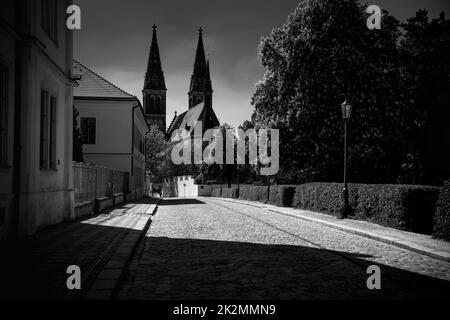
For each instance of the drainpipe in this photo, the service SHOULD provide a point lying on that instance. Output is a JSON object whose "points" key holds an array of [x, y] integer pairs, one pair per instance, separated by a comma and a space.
{"points": [[132, 148]]}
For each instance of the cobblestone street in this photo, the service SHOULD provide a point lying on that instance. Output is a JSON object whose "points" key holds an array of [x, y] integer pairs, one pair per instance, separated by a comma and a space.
{"points": [[209, 248]]}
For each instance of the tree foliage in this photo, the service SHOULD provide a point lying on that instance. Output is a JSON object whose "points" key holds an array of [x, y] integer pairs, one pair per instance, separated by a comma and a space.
{"points": [[156, 154], [159, 161], [325, 54], [425, 52], [228, 173]]}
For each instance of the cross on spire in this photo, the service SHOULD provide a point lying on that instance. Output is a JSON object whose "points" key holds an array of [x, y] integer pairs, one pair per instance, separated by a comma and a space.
{"points": [[154, 28], [200, 30]]}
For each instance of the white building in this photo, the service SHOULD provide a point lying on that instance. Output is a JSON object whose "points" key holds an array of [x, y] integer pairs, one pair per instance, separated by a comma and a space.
{"points": [[113, 127], [184, 187], [35, 116]]}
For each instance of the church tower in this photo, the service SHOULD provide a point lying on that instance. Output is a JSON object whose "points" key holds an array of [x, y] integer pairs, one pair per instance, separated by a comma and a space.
{"points": [[154, 92], [200, 89], [200, 96]]}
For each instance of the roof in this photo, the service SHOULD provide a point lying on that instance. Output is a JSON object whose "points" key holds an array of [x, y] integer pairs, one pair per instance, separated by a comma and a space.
{"points": [[187, 119], [200, 79], [154, 78], [94, 86]]}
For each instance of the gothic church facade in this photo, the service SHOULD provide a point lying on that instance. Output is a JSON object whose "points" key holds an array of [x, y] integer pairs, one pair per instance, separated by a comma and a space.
{"points": [[200, 93]]}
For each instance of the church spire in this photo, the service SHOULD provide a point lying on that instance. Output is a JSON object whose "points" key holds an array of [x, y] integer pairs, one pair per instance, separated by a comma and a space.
{"points": [[154, 78], [200, 87], [154, 93], [208, 84], [198, 76]]}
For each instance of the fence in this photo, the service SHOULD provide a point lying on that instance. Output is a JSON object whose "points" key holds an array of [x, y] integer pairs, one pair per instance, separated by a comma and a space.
{"points": [[93, 181]]}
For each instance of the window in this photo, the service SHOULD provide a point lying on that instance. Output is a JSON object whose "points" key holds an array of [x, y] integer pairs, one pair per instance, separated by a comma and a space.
{"points": [[52, 138], [149, 108], [158, 104], [152, 104], [3, 116], [47, 158], [49, 17], [88, 128]]}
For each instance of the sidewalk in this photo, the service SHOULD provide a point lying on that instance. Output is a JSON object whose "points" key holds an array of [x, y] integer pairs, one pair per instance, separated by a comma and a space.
{"points": [[423, 244], [100, 245]]}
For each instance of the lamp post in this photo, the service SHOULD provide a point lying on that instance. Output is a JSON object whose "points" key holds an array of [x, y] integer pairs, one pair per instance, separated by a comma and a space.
{"points": [[237, 169], [346, 114]]}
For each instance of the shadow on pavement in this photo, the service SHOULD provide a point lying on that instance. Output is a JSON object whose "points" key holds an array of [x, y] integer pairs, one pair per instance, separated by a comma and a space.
{"points": [[35, 268], [206, 269], [179, 201]]}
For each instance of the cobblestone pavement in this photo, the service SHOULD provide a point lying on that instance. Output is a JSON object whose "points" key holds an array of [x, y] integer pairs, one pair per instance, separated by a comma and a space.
{"points": [[212, 249], [36, 269]]}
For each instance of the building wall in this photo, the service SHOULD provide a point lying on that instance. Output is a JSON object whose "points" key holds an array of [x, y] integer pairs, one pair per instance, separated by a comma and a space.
{"points": [[117, 145], [7, 59], [113, 125], [121, 162], [43, 197], [181, 186]]}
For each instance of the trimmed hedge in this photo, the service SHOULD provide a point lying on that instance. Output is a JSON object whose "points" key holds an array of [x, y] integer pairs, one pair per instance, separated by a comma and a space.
{"points": [[230, 193], [253, 193], [442, 216], [404, 207], [245, 192], [260, 193], [281, 196], [216, 192]]}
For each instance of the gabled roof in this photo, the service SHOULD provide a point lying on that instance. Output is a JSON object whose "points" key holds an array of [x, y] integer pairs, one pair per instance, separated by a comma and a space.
{"points": [[94, 86], [187, 119]]}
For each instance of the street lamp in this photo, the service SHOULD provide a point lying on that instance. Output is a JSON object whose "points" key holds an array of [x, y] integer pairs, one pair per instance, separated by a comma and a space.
{"points": [[346, 114]]}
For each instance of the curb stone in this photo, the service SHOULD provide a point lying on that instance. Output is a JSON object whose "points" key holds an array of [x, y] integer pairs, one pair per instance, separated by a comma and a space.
{"points": [[441, 255], [108, 279]]}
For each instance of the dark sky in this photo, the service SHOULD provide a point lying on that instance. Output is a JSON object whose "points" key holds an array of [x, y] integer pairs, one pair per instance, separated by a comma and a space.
{"points": [[115, 38]]}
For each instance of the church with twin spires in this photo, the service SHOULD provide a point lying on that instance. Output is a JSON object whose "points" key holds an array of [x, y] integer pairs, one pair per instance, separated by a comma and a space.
{"points": [[199, 96]]}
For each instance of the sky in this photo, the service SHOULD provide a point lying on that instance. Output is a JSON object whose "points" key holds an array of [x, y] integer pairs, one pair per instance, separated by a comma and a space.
{"points": [[115, 38]]}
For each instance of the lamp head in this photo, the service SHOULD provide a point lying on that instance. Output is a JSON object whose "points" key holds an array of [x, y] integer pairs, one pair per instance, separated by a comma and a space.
{"points": [[346, 110]]}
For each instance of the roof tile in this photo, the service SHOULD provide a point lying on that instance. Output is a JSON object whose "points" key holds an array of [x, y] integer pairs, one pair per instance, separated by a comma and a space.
{"points": [[93, 85]]}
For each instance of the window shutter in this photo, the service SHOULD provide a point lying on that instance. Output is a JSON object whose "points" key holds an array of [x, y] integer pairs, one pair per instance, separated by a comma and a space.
{"points": [[44, 130], [52, 151], [3, 115]]}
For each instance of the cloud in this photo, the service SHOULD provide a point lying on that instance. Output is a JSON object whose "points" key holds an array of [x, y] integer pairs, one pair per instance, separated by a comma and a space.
{"points": [[115, 38]]}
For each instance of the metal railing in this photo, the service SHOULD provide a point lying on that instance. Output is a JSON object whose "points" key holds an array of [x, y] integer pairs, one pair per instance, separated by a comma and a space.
{"points": [[94, 181]]}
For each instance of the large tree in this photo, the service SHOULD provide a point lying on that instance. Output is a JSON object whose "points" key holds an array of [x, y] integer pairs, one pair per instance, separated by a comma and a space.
{"points": [[325, 54], [425, 51], [157, 150], [159, 161], [228, 173]]}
